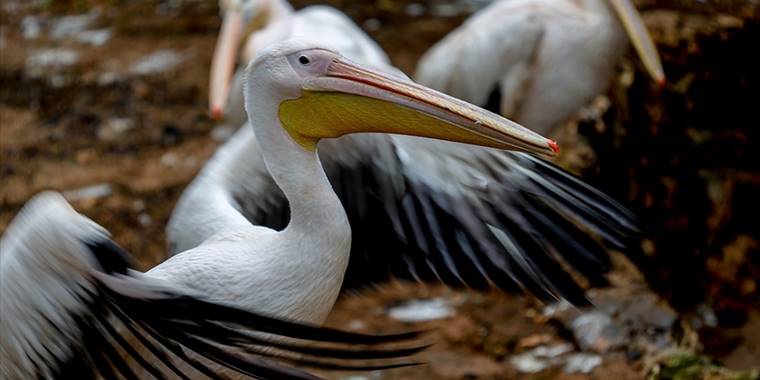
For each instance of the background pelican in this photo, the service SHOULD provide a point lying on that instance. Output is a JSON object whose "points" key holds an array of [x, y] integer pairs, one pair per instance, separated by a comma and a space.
{"points": [[424, 210], [258, 24], [295, 273], [538, 61]]}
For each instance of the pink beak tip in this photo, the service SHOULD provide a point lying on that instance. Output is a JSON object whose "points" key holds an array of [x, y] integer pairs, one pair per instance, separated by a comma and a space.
{"points": [[554, 146], [216, 113]]}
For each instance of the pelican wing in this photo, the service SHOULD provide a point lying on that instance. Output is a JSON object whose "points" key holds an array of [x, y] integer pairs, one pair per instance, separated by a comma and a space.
{"points": [[470, 216], [72, 308]]}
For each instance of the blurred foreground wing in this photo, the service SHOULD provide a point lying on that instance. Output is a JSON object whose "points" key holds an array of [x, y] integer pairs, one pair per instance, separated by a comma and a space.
{"points": [[72, 308]]}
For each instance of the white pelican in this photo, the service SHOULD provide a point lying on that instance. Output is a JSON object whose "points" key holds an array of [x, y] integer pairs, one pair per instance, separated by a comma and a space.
{"points": [[424, 210], [538, 61], [277, 22], [62, 277]]}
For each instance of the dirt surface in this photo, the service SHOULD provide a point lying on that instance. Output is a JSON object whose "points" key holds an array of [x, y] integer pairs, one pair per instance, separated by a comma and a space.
{"points": [[122, 141]]}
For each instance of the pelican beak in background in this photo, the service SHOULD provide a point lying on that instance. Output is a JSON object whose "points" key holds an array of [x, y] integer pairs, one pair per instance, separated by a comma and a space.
{"points": [[223, 63], [349, 98], [640, 38]]}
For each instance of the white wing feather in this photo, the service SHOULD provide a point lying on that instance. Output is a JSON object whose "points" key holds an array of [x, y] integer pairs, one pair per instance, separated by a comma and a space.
{"points": [[45, 268]]}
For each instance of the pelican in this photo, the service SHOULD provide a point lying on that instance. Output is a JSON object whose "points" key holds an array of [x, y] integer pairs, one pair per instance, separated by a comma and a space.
{"points": [[61, 275], [422, 210], [538, 61], [277, 21]]}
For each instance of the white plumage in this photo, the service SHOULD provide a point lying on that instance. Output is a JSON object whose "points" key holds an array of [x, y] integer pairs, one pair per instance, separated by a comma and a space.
{"points": [[546, 58]]}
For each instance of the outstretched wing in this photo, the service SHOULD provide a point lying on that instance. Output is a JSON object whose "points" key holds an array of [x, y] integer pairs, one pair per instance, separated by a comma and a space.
{"points": [[72, 308], [475, 217]]}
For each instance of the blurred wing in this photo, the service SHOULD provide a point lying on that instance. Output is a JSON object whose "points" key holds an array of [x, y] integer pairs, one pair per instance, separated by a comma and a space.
{"points": [[471, 217], [73, 309], [492, 51]]}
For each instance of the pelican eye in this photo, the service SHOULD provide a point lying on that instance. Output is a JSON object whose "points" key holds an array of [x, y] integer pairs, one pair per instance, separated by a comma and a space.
{"points": [[304, 60]]}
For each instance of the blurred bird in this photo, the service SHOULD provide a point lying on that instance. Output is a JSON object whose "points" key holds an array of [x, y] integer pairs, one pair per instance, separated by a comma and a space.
{"points": [[65, 284], [538, 61], [423, 210], [257, 24]]}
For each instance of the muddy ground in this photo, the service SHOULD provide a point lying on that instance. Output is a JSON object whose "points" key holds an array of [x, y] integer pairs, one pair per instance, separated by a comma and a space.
{"points": [[118, 121]]}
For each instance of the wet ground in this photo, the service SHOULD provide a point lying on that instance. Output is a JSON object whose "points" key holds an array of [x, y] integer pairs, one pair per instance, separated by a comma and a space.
{"points": [[106, 101]]}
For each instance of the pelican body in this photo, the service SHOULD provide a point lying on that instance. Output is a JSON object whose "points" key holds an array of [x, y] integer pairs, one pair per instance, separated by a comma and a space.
{"points": [[538, 61], [56, 271]]}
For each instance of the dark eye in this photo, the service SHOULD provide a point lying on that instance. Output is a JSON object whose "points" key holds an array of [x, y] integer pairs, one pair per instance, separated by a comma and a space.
{"points": [[304, 60]]}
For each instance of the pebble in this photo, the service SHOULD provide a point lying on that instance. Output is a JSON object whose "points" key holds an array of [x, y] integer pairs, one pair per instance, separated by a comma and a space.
{"points": [[90, 192], [68, 26], [157, 62], [414, 9], [144, 219], [31, 27], [47, 58], [527, 363], [96, 37], [582, 362], [421, 310], [114, 129], [372, 24]]}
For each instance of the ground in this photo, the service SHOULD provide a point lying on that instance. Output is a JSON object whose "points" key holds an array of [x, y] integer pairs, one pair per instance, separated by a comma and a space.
{"points": [[122, 127]]}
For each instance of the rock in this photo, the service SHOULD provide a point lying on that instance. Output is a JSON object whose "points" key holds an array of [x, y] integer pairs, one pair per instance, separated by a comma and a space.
{"points": [[540, 358], [96, 37], [582, 362], [421, 310], [528, 363], [372, 24], [595, 331], [356, 324], [169, 159], [31, 27], [114, 129], [633, 318], [157, 62], [42, 60], [414, 9], [90, 192], [144, 219], [69, 26]]}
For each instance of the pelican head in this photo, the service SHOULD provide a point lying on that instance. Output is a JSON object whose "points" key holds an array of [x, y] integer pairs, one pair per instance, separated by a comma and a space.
{"points": [[320, 94], [240, 18]]}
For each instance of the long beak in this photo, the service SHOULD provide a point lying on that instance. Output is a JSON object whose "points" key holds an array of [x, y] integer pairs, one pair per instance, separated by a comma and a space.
{"points": [[223, 63], [640, 38], [350, 99]]}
